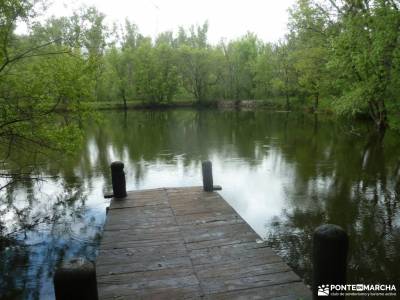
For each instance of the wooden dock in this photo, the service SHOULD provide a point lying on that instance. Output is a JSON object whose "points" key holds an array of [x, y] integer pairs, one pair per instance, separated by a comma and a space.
{"points": [[185, 243], [188, 243]]}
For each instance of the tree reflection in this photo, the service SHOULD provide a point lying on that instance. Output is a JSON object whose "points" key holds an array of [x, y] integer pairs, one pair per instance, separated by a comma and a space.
{"points": [[334, 176], [361, 194], [36, 234]]}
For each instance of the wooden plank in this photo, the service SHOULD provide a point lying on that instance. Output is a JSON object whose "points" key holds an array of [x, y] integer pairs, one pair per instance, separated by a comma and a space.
{"points": [[231, 254], [211, 285], [184, 243], [124, 292], [143, 266], [286, 291], [250, 268], [140, 254]]}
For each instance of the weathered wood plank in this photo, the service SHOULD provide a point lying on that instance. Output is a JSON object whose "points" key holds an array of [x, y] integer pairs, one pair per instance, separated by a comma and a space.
{"points": [[286, 291], [123, 292], [173, 286], [211, 285], [184, 243], [142, 222], [140, 254], [142, 266], [251, 268]]}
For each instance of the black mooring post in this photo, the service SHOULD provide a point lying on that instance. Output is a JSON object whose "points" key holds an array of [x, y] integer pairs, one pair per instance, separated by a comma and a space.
{"points": [[76, 279], [206, 167], [330, 245], [118, 179]]}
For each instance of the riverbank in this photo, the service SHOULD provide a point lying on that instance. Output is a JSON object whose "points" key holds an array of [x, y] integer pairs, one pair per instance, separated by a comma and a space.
{"points": [[274, 104], [224, 104]]}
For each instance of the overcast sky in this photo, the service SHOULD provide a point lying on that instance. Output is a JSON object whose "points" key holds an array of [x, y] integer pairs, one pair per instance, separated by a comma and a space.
{"points": [[227, 19]]}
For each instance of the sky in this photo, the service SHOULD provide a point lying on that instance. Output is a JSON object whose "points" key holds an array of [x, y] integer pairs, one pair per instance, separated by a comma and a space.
{"points": [[227, 19]]}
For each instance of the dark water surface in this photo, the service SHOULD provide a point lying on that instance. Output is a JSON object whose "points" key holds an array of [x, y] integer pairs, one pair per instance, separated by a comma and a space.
{"points": [[284, 173]]}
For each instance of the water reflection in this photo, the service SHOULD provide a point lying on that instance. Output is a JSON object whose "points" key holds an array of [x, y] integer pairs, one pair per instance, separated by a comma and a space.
{"points": [[43, 224], [284, 173], [358, 188]]}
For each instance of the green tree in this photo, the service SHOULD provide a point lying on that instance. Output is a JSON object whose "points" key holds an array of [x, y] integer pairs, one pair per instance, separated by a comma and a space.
{"points": [[264, 71], [366, 55], [118, 77], [156, 72], [241, 56], [44, 81], [195, 64], [275, 72], [309, 36], [285, 75]]}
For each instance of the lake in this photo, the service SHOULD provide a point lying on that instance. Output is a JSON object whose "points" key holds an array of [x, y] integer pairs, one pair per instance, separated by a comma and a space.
{"points": [[284, 173]]}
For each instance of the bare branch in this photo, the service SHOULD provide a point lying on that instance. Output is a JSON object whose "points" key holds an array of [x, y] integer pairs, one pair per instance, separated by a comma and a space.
{"points": [[332, 2]]}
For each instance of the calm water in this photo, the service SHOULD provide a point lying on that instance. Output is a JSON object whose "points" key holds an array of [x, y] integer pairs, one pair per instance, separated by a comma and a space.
{"points": [[284, 173]]}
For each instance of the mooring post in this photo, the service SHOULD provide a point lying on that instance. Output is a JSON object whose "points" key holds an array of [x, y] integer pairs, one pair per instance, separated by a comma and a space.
{"points": [[118, 179], [330, 245], [206, 167], [76, 279]]}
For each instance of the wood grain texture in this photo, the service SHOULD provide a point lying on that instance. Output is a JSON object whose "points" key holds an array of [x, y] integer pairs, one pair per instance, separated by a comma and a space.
{"points": [[184, 243]]}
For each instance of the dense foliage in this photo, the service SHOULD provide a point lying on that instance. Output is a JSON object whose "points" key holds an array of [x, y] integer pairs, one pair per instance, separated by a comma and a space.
{"points": [[46, 76], [338, 55], [341, 56]]}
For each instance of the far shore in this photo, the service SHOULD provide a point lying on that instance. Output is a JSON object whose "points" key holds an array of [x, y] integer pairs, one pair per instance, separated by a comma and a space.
{"points": [[228, 104]]}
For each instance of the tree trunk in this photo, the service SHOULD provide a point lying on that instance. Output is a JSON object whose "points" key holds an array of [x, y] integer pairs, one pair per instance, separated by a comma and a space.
{"points": [[316, 102], [378, 114], [382, 122], [287, 101], [124, 99]]}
